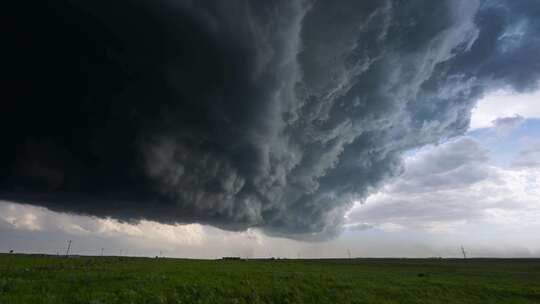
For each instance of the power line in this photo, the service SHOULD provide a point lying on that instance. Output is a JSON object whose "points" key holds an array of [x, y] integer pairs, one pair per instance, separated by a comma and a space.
{"points": [[68, 248]]}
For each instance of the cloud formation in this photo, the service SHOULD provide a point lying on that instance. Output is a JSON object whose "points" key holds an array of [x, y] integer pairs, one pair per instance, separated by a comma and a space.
{"points": [[476, 193], [505, 103], [453, 165], [529, 155], [504, 125], [275, 114]]}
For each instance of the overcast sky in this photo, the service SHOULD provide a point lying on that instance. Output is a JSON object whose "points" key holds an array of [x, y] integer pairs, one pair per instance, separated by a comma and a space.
{"points": [[286, 128]]}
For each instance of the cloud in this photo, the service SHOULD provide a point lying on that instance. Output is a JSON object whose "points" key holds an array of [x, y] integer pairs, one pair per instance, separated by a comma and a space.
{"points": [[358, 227], [528, 156], [502, 104], [35, 219], [504, 125], [474, 192], [454, 164], [510, 235], [247, 114]]}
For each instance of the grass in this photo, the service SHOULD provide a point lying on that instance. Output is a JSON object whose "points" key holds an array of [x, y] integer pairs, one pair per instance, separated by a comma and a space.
{"points": [[46, 279]]}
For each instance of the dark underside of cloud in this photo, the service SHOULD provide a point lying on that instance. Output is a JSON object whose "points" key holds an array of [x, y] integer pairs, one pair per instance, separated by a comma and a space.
{"points": [[238, 114]]}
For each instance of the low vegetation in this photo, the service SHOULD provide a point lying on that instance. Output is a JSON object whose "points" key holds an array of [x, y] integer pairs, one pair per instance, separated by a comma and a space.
{"points": [[46, 279]]}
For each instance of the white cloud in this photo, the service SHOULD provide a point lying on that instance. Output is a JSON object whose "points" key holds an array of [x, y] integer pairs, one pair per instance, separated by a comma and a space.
{"points": [[471, 192], [31, 218], [457, 163], [504, 125], [529, 154], [505, 103]]}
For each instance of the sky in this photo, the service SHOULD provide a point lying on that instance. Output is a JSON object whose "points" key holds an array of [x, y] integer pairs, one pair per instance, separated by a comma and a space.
{"points": [[480, 190], [279, 129]]}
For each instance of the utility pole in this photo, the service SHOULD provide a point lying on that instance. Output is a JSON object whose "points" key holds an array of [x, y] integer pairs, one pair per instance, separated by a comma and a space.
{"points": [[463, 252], [349, 253], [69, 247]]}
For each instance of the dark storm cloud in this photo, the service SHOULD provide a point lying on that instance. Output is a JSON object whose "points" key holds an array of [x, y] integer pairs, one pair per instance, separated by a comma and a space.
{"points": [[274, 114]]}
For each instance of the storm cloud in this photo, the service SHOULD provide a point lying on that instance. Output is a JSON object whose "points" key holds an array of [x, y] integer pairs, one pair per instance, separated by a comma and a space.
{"points": [[270, 114]]}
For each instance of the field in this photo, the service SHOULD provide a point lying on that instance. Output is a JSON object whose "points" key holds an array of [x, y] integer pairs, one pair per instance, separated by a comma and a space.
{"points": [[45, 279]]}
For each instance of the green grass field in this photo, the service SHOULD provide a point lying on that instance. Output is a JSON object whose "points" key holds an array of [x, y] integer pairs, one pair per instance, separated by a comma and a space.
{"points": [[35, 279]]}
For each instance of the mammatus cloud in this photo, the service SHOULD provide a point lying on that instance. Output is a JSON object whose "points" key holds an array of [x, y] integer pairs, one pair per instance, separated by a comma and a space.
{"points": [[276, 115]]}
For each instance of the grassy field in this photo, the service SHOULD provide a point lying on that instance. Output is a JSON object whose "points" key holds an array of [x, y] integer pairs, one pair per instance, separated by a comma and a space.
{"points": [[34, 279]]}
